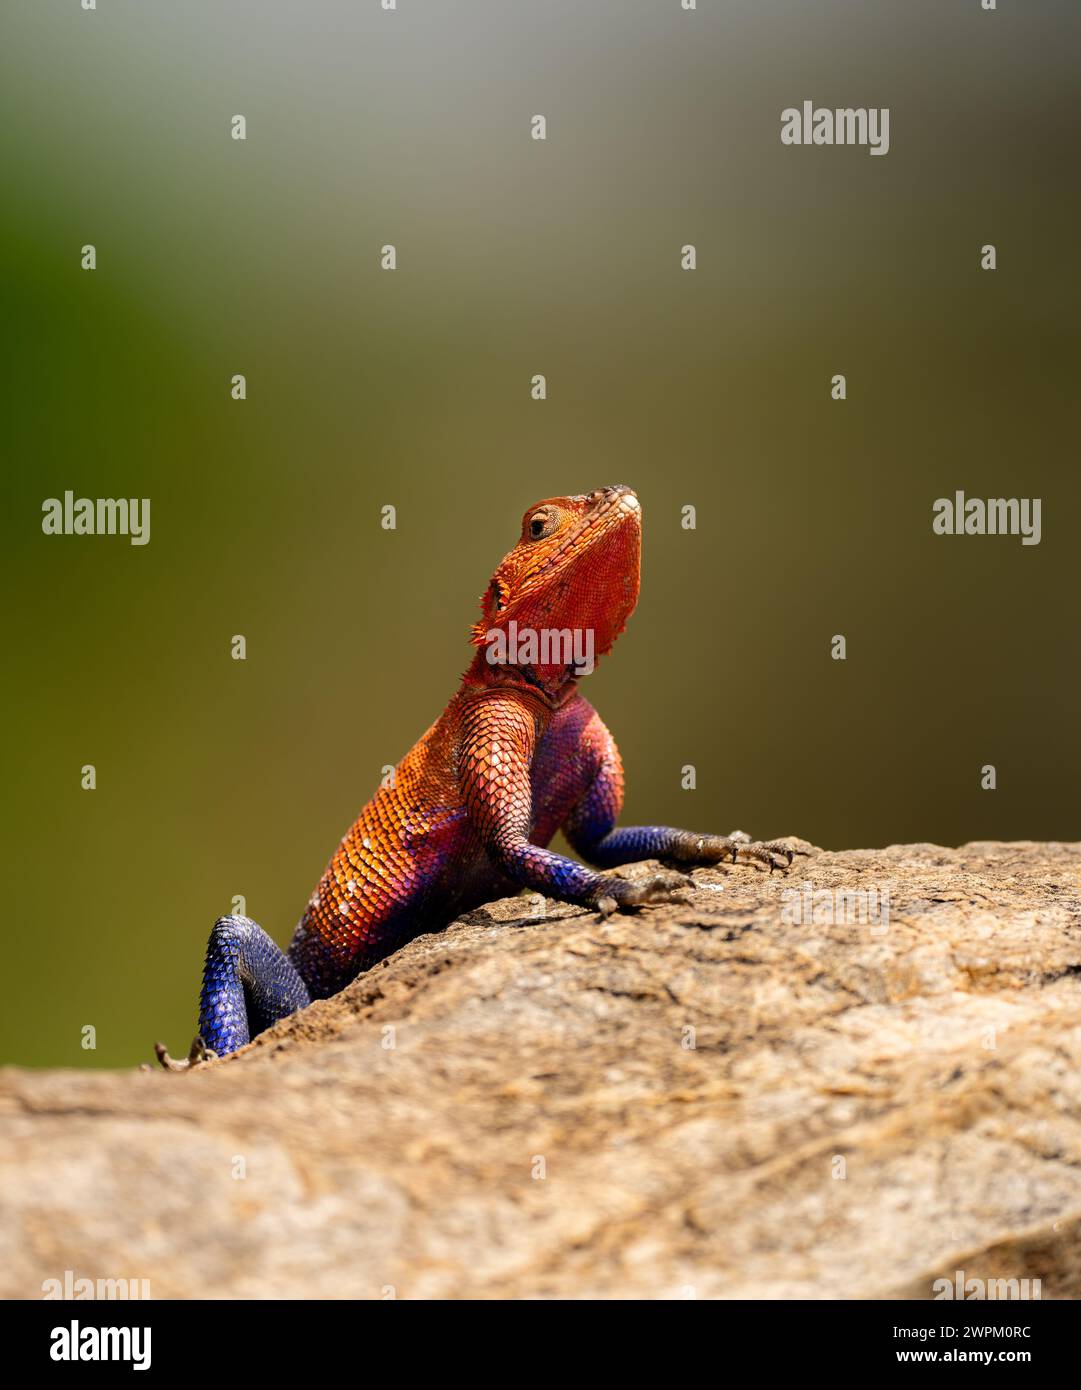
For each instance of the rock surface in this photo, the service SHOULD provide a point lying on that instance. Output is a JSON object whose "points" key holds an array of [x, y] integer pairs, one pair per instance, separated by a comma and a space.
{"points": [[706, 1099]]}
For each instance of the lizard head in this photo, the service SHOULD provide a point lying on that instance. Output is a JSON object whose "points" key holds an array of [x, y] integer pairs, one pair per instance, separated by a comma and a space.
{"points": [[575, 566]]}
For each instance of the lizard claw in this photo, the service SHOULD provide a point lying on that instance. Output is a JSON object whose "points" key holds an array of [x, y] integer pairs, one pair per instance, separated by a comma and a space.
{"points": [[773, 854], [197, 1054], [629, 893]]}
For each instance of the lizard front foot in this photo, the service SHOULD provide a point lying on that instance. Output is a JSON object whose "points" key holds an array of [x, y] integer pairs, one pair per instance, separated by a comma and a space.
{"points": [[621, 893], [739, 847], [197, 1054]]}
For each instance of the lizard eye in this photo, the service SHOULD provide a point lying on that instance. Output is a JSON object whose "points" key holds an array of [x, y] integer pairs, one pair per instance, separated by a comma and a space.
{"points": [[540, 524]]}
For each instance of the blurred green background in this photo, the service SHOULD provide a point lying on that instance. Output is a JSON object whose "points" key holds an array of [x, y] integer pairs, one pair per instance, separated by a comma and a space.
{"points": [[217, 777]]}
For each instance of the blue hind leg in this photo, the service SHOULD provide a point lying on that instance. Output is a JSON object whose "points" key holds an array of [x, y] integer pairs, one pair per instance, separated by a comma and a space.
{"points": [[248, 984]]}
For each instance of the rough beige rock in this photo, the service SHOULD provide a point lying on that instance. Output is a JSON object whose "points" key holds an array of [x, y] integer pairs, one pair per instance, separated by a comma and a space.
{"points": [[862, 1112]]}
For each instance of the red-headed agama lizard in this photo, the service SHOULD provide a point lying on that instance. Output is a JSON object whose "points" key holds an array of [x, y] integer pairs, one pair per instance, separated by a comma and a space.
{"points": [[517, 755]]}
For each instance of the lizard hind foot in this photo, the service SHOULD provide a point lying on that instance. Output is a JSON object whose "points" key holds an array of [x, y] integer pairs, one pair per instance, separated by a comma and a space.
{"points": [[623, 893], [198, 1053]]}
